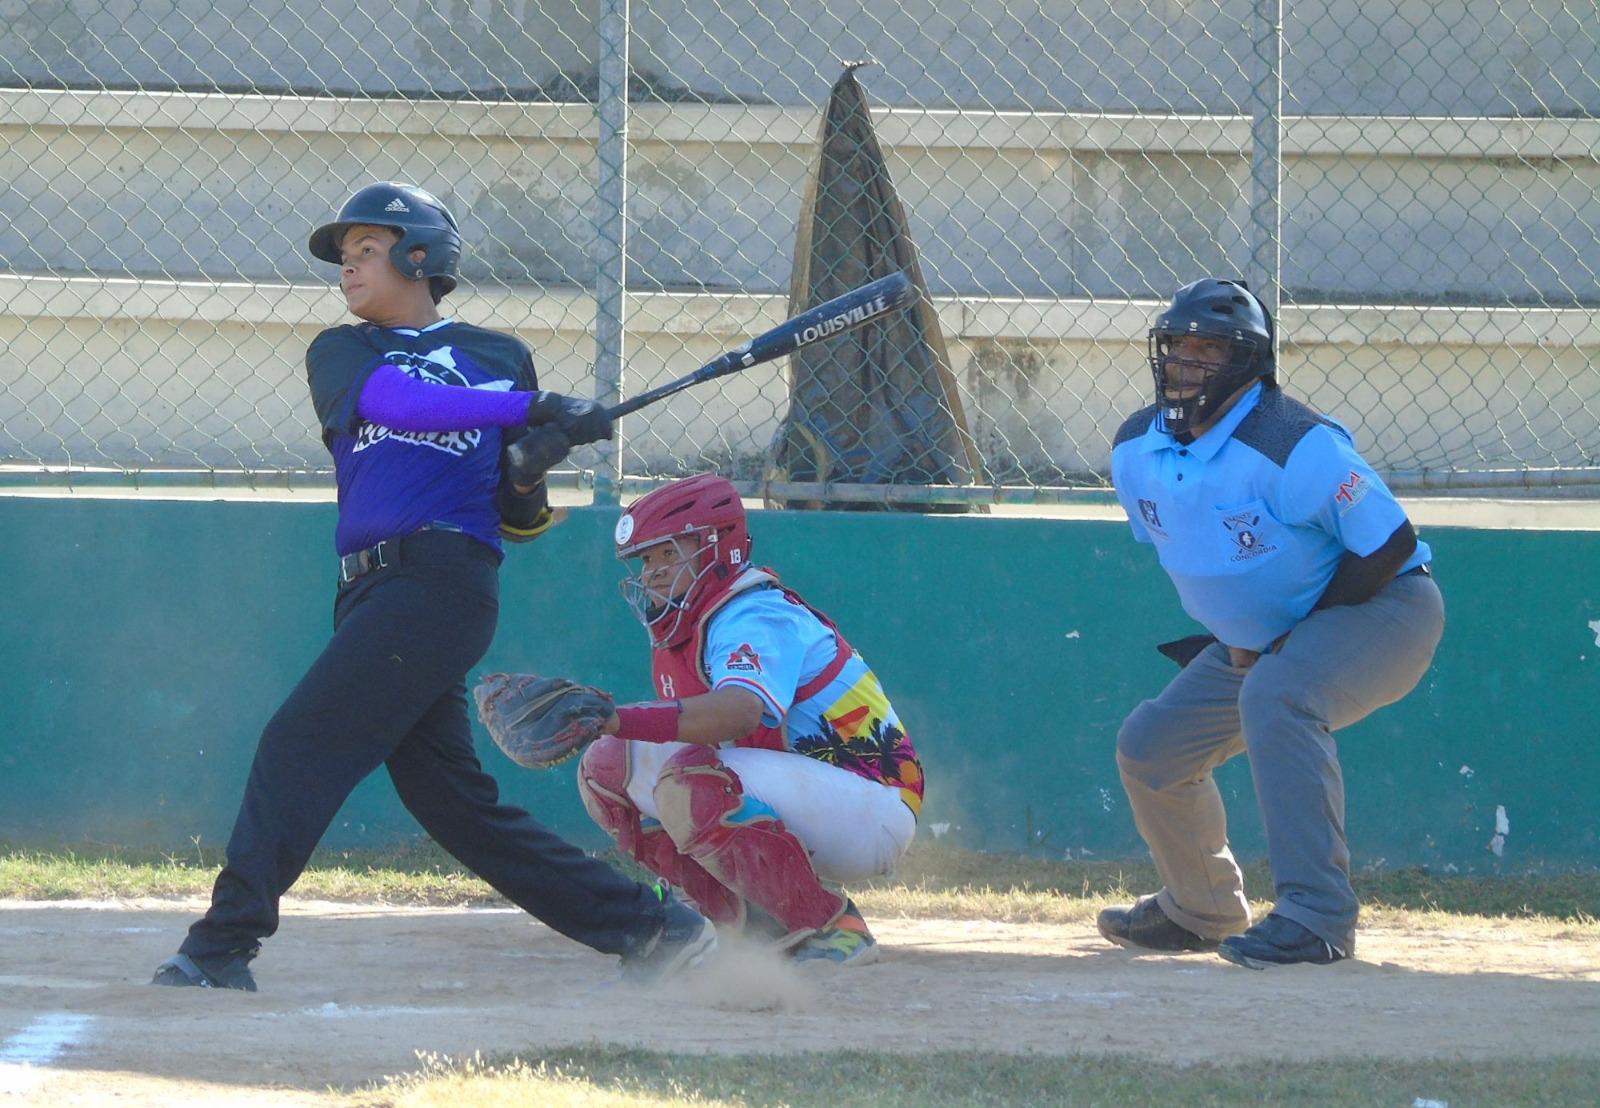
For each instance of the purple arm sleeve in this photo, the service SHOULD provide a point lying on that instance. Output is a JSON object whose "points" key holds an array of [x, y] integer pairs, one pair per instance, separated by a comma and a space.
{"points": [[395, 399]]}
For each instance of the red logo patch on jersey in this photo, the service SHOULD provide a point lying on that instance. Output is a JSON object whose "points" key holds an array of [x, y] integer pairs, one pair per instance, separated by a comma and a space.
{"points": [[1351, 490], [744, 658]]}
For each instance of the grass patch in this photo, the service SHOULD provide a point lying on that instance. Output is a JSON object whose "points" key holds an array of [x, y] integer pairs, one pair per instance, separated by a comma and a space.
{"points": [[420, 874], [935, 881], [615, 1078], [940, 882]]}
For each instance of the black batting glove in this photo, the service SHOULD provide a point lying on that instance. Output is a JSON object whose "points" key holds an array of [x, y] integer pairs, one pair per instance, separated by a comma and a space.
{"points": [[582, 421], [535, 453]]}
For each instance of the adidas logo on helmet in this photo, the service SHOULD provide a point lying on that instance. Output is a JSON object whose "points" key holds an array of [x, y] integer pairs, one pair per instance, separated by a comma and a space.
{"points": [[422, 221]]}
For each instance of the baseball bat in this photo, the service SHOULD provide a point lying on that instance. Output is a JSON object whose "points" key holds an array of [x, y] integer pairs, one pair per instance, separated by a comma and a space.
{"points": [[835, 317]]}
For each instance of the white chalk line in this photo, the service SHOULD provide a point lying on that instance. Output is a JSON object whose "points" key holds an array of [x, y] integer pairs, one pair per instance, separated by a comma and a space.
{"points": [[36, 1045]]}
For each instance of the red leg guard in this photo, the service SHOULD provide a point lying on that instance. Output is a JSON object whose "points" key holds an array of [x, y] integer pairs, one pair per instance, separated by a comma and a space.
{"points": [[742, 842], [603, 788], [603, 785]]}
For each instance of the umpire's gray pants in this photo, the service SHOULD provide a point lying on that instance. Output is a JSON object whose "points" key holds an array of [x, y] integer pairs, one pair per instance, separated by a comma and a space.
{"points": [[1338, 666]]}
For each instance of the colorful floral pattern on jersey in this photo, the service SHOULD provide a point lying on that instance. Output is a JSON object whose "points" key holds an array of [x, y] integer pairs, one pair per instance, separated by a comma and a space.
{"points": [[865, 737]]}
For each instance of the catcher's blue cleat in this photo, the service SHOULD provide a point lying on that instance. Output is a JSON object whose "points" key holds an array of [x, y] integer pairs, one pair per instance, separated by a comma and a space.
{"points": [[217, 971], [847, 943]]}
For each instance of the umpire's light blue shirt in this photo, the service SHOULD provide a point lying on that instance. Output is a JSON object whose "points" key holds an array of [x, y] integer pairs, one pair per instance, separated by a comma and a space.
{"points": [[1250, 520]]}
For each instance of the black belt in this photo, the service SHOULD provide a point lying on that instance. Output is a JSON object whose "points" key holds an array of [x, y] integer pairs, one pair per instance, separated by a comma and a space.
{"points": [[432, 538], [1415, 570]]}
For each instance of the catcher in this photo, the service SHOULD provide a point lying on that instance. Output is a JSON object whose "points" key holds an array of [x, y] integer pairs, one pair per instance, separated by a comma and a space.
{"points": [[773, 759]]}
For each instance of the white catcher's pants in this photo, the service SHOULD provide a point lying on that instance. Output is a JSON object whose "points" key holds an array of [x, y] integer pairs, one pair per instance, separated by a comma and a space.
{"points": [[853, 827]]}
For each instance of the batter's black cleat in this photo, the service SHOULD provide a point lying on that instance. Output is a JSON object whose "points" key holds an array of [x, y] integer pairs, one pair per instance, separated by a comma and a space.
{"points": [[1147, 927], [213, 971], [1279, 941], [683, 942]]}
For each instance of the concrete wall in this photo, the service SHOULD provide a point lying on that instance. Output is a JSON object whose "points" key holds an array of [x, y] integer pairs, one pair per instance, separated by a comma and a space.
{"points": [[1399, 57], [150, 642], [181, 374], [1035, 205]]}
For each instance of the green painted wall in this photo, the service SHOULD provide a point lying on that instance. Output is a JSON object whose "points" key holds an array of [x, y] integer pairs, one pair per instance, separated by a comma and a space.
{"points": [[144, 644]]}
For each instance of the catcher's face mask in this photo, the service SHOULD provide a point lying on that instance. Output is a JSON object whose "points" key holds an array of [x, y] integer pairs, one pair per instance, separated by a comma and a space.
{"points": [[661, 587]]}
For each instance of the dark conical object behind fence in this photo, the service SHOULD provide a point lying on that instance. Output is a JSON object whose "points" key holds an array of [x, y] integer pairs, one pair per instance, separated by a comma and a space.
{"points": [[880, 405]]}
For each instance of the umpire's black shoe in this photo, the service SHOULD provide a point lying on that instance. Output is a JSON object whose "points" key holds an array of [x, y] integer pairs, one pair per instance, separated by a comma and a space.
{"points": [[1146, 925], [1279, 941], [215, 971], [685, 939]]}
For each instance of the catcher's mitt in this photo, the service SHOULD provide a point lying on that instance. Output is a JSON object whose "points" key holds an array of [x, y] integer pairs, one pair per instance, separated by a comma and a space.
{"points": [[540, 721]]}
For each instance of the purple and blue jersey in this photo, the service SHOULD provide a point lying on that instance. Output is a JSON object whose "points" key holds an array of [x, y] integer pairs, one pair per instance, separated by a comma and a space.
{"points": [[390, 482]]}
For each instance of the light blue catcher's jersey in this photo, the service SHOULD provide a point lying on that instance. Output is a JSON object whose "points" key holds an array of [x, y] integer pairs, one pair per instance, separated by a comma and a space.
{"points": [[1250, 520], [762, 641]]}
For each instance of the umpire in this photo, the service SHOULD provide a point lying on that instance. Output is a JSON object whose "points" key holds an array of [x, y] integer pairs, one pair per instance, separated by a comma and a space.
{"points": [[416, 409], [1287, 547]]}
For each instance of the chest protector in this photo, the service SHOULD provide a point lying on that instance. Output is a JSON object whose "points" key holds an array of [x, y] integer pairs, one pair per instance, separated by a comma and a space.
{"points": [[680, 670]]}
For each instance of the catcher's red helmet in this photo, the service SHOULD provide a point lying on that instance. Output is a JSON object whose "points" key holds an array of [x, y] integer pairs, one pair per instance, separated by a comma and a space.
{"points": [[705, 509]]}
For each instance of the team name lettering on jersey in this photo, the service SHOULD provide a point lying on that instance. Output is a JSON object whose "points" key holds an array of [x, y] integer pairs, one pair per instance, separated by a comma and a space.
{"points": [[451, 442]]}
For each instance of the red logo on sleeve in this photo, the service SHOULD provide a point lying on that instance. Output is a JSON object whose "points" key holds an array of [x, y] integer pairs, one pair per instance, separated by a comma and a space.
{"points": [[1351, 490], [745, 658]]}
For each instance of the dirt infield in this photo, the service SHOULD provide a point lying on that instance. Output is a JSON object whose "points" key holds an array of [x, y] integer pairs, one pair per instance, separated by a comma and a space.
{"points": [[352, 993]]}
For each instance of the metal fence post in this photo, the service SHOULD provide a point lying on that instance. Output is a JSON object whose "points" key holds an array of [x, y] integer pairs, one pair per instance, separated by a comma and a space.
{"points": [[611, 242], [1266, 156]]}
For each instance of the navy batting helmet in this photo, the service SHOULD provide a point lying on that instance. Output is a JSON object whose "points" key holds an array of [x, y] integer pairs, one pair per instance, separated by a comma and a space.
{"points": [[422, 220], [1212, 308]]}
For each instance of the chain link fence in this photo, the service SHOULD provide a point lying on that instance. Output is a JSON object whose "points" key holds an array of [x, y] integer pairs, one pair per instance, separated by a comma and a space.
{"points": [[1415, 186]]}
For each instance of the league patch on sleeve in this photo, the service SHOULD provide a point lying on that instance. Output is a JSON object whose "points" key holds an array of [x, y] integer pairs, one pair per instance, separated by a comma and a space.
{"points": [[1351, 491], [744, 659]]}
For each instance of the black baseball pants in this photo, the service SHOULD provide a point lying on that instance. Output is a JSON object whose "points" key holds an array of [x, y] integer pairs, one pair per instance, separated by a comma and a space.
{"points": [[389, 689]]}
